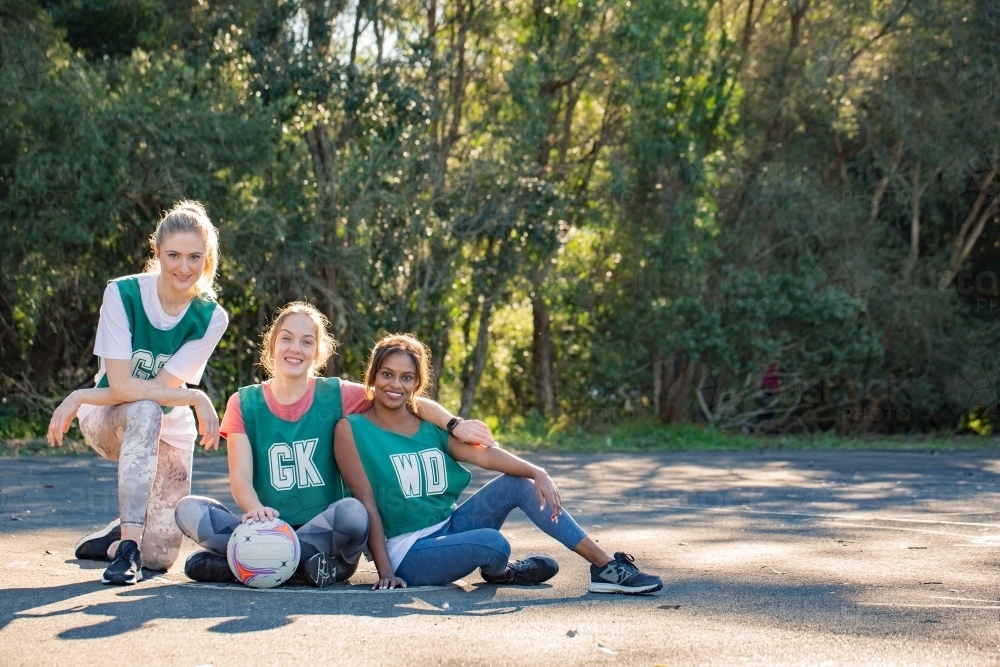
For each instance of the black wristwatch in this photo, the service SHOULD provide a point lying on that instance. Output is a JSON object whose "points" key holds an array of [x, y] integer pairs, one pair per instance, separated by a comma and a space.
{"points": [[452, 423]]}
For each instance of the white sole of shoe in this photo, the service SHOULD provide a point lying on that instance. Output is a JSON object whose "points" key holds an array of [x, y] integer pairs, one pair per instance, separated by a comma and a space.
{"points": [[123, 581], [627, 590]]}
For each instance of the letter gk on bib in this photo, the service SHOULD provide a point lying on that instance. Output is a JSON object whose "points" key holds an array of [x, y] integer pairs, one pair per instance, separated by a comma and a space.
{"points": [[294, 466], [305, 468]]}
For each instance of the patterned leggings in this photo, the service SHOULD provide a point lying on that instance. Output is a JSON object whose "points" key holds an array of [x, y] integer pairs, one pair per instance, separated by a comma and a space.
{"points": [[340, 530], [152, 475]]}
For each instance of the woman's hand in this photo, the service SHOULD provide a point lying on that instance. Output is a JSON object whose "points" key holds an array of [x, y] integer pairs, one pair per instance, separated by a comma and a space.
{"points": [[474, 432], [208, 421], [388, 583], [61, 419], [546, 491], [261, 514]]}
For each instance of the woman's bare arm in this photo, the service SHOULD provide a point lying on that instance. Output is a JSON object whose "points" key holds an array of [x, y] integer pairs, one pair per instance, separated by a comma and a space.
{"points": [[240, 453], [468, 430], [165, 389], [357, 481]]}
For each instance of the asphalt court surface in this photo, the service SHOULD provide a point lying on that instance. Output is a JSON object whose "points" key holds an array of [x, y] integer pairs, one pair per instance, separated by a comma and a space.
{"points": [[774, 558]]}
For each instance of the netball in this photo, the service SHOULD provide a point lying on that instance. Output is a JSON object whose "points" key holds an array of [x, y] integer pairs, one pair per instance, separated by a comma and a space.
{"points": [[263, 555]]}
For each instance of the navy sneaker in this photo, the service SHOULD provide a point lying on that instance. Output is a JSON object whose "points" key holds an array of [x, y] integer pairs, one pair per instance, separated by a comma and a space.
{"points": [[126, 568], [318, 570], [622, 576], [208, 567], [95, 546], [344, 570], [532, 571]]}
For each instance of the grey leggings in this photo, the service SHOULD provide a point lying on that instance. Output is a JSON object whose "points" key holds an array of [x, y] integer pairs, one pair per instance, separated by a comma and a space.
{"points": [[340, 530], [152, 475]]}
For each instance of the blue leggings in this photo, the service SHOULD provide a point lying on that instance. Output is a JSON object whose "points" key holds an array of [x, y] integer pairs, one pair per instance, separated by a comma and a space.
{"points": [[471, 539]]}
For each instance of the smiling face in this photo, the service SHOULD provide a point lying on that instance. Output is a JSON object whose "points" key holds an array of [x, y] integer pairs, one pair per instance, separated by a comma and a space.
{"points": [[395, 381], [295, 348], [182, 261], [398, 371]]}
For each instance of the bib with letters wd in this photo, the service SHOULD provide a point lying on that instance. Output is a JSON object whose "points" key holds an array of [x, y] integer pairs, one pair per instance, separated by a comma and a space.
{"points": [[414, 479]]}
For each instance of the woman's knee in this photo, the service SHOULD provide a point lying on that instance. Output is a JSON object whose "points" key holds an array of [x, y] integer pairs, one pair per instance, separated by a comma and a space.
{"points": [[495, 551], [494, 540], [144, 419], [147, 411], [349, 517], [513, 480], [158, 562], [189, 512], [517, 484]]}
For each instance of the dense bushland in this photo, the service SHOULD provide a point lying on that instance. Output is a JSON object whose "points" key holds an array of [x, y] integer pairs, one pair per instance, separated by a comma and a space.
{"points": [[781, 216]]}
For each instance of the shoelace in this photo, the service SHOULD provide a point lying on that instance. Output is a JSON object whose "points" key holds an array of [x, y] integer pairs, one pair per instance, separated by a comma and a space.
{"points": [[128, 553], [519, 574], [626, 562]]}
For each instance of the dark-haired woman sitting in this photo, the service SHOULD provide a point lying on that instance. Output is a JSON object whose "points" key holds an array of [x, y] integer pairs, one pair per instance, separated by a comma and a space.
{"points": [[407, 475]]}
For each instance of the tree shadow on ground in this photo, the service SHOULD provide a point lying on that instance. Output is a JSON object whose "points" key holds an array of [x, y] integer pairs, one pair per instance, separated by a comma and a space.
{"points": [[138, 606], [788, 605]]}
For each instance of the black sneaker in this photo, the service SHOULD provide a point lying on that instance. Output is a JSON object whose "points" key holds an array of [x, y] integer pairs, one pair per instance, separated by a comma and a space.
{"points": [[532, 571], [622, 576], [126, 568], [95, 546], [208, 567], [344, 570], [318, 570]]}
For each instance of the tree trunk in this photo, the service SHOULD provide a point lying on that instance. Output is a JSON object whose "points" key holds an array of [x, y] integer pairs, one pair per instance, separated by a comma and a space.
{"points": [[877, 196], [335, 367], [795, 37], [541, 352], [747, 28], [476, 361], [437, 361], [883, 183], [914, 222], [918, 193], [657, 381], [457, 84], [677, 382], [973, 227]]}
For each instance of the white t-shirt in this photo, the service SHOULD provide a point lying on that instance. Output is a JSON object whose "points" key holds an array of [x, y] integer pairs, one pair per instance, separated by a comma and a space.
{"points": [[400, 545], [114, 341]]}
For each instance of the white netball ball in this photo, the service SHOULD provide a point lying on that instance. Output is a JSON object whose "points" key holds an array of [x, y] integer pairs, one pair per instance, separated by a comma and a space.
{"points": [[263, 554]]}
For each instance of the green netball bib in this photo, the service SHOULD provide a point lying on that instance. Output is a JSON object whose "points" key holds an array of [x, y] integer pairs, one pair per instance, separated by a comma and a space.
{"points": [[414, 478], [294, 470], [152, 347]]}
